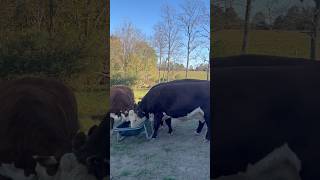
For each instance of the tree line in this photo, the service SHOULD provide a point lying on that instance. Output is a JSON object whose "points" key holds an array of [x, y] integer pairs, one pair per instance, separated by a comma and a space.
{"points": [[276, 15], [60, 39], [178, 36]]}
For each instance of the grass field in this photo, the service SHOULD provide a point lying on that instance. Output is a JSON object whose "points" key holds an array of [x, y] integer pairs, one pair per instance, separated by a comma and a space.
{"points": [[181, 75], [280, 43], [91, 104], [180, 156]]}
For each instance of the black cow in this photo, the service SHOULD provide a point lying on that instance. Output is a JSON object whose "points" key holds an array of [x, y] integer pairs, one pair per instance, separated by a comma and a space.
{"points": [[176, 99], [261, 105], [93, 153]]}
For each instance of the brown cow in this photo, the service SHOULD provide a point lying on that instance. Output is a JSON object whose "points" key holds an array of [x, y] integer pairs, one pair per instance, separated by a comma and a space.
{"points": [[121, 100], [37, 117]]}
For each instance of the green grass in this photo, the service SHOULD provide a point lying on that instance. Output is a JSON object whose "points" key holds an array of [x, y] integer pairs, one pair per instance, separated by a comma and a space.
{"points": [[181, 75], [168, 178], [91, 104], [279, 43]]}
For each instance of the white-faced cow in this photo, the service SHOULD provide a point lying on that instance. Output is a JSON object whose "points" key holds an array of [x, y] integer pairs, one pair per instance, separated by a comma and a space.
{"points": [[121, 101], [37, 117], [259, 105], [176, 99]]}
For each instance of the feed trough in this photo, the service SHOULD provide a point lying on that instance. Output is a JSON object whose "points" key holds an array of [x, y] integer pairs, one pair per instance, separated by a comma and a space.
{"points": [[124, 130]]}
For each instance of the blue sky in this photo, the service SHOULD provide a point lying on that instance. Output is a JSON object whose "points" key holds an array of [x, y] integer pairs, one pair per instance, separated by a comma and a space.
{"points": [[143, 14]]}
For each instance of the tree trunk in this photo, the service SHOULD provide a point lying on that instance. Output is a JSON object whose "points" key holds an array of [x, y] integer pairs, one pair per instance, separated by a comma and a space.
{"points": [[86, 26], [159, 69], [313, 41], [50, 17], [188, 56], [246, 28], [168, 69]]}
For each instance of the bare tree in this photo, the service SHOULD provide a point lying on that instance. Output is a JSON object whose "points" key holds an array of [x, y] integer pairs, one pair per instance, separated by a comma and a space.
{"points": [[246, 27], [171, 33], [313, 33], [51, 14], [191, 19], [159, 43], [271, 12], [129, 36]]}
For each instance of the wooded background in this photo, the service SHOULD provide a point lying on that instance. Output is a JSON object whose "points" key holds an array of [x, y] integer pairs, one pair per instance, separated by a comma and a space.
{"points": [[178, 47], [272, 27], [64, 39]]}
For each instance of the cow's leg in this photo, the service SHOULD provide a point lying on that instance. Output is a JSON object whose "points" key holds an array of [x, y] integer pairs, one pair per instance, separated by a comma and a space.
{"points": [[200, 126], [161, 124], [168, 122], [111, 123], [156, 124], [207, 121]]}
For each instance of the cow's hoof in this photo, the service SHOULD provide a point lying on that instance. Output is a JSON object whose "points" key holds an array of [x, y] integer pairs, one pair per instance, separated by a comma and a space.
{"points": [[171, 133], [206, 141], [153, 139], [196, 133]]}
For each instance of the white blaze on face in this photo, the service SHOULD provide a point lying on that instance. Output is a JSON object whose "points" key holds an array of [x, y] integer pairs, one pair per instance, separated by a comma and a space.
{"points": [[135, 121], [10, 171], [132, 116]]}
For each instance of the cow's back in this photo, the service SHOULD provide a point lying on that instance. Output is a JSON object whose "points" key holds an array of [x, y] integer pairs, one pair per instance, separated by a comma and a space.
{"points": [[190, 94], [260, 107], [38, 117]]}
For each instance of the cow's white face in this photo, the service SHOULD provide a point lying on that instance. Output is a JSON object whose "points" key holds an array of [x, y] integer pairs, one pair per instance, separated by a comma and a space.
{"points": [[134, 119], [132, 116]]}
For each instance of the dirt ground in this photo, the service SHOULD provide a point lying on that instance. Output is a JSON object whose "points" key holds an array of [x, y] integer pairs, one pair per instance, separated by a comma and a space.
{"points": [[181, 156]]}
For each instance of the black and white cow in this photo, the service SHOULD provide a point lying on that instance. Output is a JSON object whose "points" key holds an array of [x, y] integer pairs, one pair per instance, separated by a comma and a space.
{"points": [[176, 99], [261, 104]]}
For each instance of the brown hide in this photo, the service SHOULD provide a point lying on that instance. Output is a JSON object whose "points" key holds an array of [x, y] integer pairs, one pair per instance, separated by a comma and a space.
{"points": [[121, 99], [37, 117]]}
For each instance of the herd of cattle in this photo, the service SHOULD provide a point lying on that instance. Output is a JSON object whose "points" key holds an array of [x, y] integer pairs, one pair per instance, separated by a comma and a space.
{"points": [[164, 101], [265, 111], [39, 134]]}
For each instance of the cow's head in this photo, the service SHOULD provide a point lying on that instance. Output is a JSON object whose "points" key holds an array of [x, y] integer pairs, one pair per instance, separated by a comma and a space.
{"points": [[139, 111], [94, 151]]}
